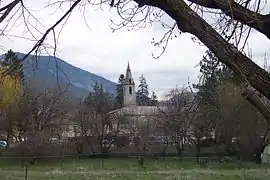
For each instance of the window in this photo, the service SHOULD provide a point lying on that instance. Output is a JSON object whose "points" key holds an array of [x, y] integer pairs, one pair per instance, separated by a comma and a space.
{"points": [[130, 90], [129, 80]]}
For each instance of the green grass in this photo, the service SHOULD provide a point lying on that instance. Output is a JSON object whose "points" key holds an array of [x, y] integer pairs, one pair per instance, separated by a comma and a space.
{"points": [[97, 169]]}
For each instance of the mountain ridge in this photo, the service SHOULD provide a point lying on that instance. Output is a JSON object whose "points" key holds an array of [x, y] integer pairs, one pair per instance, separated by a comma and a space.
{"points": [[53, 70]]}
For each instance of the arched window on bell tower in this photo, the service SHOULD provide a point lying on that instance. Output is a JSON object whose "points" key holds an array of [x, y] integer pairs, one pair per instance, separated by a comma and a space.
{"points": [[130, 90]]}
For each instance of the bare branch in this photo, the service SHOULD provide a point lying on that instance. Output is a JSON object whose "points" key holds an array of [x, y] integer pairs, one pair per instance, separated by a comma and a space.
{"points": [[7, 9]]}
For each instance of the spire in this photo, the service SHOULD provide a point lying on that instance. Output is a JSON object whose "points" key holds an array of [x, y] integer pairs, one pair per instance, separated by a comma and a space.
{"points": [[128, 78], [128, 68]]}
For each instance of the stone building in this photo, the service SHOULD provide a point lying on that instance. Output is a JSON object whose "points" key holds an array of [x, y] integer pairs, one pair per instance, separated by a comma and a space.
{"points": [[131, 109]]}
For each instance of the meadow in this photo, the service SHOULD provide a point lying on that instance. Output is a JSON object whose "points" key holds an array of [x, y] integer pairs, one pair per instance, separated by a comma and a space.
{"points": [[128, 169]]}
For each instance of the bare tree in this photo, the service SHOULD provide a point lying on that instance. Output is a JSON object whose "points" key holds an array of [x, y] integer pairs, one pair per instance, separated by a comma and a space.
{"points": [[178, 117], [95, 129], [140, 130], [201, 128], [164, 139], [82, 129], [36, 119]]}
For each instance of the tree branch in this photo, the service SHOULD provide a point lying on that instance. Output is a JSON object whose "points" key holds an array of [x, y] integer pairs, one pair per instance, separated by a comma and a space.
{"points": [[188, 21], [8, 8], [42, 39], [229, 7]]}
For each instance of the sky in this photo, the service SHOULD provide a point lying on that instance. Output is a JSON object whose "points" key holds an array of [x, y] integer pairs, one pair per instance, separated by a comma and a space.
{"points": [[88, 42]]}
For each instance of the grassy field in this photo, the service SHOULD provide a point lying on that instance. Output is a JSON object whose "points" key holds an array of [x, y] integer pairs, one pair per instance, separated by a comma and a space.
{"points": [[96, 169]]}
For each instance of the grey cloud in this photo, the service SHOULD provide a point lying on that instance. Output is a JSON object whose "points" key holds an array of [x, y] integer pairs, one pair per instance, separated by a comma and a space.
{"points": [[171, 77]]}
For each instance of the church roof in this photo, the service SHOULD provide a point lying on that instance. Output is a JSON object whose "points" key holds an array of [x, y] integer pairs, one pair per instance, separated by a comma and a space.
{"points": [[140, 110]]}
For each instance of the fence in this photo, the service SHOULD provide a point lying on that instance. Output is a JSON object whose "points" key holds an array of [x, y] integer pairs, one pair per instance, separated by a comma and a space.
{"points": [[90, 162], [96, 161]]}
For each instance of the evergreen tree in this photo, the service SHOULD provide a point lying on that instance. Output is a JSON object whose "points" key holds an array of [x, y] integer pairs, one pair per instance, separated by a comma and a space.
{"points": [[11, 60], [216, 78], [119, 99], [99, 100], [142, 94], [213, 74], [154, 100]]}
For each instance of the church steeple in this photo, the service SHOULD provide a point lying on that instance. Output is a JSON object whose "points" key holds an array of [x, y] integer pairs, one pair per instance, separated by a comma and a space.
{"points": [[129, 89], [128, 68], [128, 78]]}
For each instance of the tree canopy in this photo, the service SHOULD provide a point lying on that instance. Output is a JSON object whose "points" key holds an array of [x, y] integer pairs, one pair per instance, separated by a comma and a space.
{"points": [[11, 60], [10, 82], [10, 87]]}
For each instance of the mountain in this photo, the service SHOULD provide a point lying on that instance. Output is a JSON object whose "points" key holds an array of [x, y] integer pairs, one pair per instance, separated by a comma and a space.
{"points": [[50, 71]]}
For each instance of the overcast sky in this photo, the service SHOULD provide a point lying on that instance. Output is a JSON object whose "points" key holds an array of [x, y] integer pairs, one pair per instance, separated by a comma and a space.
{"points": [[96, 49]]}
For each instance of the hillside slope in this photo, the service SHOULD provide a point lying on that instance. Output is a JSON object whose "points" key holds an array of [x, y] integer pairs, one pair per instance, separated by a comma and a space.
{"points": [[49, 71]]}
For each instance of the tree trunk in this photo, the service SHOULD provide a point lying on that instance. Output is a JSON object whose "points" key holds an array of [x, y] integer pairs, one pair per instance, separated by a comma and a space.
{"points": [[8, 138], [189, 21], [249, 95], [164, 149], [79, 148], [142, 156], [258, 151], [198, 152], [180, 148]]}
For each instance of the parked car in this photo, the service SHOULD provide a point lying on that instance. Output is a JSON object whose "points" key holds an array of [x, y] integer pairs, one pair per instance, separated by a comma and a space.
{"points": [[3, 144]]}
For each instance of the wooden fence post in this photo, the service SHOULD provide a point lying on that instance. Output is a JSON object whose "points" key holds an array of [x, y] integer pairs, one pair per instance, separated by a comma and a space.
{"points": [[26, 171]]}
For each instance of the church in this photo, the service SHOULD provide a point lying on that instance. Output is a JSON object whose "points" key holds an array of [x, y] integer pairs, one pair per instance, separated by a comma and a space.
{"points": [[131, 109]]}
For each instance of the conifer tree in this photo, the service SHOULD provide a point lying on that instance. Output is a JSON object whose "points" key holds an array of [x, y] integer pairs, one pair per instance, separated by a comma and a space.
{"points": [[119, 99], [142, 94], [214, 73], [11, 60], [99, 100]]}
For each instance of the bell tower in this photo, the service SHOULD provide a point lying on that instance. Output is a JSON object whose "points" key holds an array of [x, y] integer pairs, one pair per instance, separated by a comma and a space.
{"points": [[129, 89]]}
